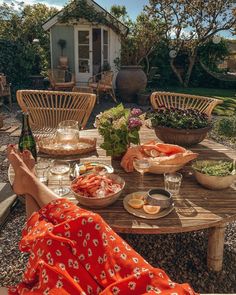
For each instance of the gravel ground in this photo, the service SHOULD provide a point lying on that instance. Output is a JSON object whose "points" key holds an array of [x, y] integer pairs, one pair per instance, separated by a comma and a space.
{"points": [[182, 256]]}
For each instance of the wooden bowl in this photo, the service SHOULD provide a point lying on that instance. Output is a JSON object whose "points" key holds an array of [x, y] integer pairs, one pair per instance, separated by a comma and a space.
{"points": [[182, 137], [157, 168], [214, 182], [96, 202]]}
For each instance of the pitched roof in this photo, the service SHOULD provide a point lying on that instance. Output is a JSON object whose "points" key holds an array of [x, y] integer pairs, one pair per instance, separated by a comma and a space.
{"points": [[123, 29]]}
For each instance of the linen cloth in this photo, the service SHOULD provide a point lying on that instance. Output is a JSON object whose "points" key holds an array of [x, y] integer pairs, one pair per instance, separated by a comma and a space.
{"points": [[74, 251]]}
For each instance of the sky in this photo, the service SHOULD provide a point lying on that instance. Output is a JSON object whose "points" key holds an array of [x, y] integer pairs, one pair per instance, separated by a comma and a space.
{"points": [[134, 7]]}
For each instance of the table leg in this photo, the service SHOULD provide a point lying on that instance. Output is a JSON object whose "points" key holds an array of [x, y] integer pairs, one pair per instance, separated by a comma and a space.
{"points": [[216, 247]]}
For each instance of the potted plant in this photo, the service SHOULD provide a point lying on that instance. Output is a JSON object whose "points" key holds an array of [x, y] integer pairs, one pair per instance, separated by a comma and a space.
{"points": [[119, 128], [181, 127], [63, 60]]}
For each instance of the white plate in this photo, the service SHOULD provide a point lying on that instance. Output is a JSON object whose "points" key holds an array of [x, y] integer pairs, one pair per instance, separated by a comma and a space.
{"points": [[140, 212]]}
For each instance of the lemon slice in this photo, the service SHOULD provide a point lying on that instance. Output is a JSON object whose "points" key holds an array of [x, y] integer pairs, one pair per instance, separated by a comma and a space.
{"points": [[136, 203], [151, 209]]}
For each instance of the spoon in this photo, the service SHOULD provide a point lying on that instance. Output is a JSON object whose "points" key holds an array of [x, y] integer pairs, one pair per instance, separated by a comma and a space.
{"points": [[75, 171]]}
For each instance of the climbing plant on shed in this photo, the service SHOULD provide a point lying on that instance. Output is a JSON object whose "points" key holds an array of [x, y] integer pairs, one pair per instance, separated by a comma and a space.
{"points": [[80, 9]]}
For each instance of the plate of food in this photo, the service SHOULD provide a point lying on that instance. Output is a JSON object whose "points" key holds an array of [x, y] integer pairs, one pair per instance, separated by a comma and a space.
{"points": [[136, 204], [89, 167], [97, 191], [163, 158]]}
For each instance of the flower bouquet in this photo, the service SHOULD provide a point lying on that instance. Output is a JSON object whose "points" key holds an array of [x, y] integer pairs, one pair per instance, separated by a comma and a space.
{"points": [[119, 127]]}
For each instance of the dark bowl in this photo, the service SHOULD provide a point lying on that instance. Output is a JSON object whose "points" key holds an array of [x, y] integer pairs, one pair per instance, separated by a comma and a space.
{"points": [[163, 203], [182, 137]]}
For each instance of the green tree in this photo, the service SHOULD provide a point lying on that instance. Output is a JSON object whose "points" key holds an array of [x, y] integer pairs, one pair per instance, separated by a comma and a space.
{"points": [[188, 25], [140, 43], [19, 25], [120, 12]]}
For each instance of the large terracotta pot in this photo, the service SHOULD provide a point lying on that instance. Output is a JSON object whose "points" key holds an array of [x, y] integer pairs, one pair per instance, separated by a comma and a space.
{"points": [[130, 81]]}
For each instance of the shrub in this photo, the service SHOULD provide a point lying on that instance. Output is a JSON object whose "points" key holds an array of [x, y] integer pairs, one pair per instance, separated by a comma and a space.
{"points": [[178, 118], [227, 126]]}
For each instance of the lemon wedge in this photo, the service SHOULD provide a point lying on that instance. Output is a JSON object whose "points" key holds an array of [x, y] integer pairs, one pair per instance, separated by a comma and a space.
{"points": [[136, 203], [151, 209]]}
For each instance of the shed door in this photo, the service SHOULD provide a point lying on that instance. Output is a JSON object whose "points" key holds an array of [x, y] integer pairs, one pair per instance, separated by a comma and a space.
{"points": [[84, 68]]}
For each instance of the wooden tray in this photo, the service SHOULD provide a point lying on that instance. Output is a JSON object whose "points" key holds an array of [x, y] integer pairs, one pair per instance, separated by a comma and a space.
{"points": [[50, 146], [140, 212]]}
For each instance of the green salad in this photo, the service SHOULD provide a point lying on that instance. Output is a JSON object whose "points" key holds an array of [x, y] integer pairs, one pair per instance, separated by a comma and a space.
{"points": [[214, 168]]}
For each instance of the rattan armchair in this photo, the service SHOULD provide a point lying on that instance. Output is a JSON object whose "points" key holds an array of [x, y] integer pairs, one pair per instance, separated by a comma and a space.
{"points": [[47, 108], [184, 101], [58, 81], [5, 91], [102, 82]]}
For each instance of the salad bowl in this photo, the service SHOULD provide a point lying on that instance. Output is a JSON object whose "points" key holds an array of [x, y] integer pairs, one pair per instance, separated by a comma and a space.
{"points": [[215, 174]]}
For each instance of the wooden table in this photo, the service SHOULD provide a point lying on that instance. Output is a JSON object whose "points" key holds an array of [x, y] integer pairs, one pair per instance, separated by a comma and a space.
{"points": [[196, 208]]}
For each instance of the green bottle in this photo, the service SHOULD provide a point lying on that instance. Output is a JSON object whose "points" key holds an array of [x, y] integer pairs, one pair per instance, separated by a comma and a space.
{"points": [[27, 141]]}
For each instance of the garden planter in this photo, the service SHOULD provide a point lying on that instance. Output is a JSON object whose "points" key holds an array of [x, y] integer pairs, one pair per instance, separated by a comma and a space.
{"points": [[63, 62], [129, 82], [182, 137]]}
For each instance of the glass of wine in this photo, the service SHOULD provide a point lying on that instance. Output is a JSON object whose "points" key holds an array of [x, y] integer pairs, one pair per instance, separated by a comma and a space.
{"points": [[58, 170], [142, 166]]}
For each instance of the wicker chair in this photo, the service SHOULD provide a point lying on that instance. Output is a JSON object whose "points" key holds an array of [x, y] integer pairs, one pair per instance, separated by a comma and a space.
{"points": [[47, 108], [102, 82], [57, 78], [184, 101], [5, 91]]}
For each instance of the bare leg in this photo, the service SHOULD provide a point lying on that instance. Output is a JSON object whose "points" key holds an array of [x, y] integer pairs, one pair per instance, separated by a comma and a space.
{"points": [[30, 204], [26, 183]]}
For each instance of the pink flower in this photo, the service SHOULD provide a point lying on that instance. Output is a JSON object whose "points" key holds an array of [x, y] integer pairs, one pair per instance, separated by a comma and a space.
{"points": [[136, 112], [134, 122]]}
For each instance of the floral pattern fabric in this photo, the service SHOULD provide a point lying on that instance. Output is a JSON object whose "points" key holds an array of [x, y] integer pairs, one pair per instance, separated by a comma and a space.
{"points": [[73, 251]]}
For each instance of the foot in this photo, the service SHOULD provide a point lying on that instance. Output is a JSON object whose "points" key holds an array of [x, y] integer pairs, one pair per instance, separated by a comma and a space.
{"points": [[29, 160], [23, 176]]}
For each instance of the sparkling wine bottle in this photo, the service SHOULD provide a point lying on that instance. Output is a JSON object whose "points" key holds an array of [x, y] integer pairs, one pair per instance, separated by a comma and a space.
{"points": [[27, 141]]}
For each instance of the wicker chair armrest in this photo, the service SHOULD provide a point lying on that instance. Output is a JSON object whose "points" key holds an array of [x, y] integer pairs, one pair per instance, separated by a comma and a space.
{"points": [[93, 78]]}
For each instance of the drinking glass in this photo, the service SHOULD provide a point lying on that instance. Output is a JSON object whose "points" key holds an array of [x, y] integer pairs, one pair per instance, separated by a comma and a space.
{"points": [[41, 169], [68, 132], [173, 182], [60, 169], [142, 166]]}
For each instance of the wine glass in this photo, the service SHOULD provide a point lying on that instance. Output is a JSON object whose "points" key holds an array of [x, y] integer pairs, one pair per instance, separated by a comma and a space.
{"points": [[142, 166], [59, 169]]}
